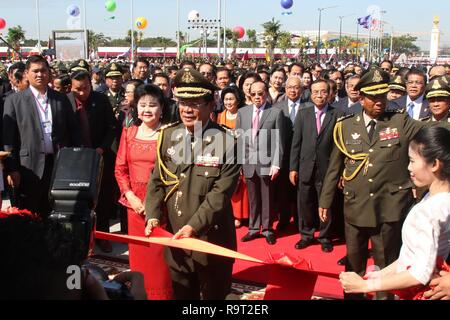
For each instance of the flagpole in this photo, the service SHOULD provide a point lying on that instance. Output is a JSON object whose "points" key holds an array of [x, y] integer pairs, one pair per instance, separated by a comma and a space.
{"points": [[178, 28], [38, 26], [132, 33], [224, 30], [86, 39], [219, 16], [357, 42]]}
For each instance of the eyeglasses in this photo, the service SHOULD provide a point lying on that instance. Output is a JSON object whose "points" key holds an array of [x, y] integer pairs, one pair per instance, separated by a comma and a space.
{"points": [[259, 94], [322, 92], [191, 104], [419, 83]]}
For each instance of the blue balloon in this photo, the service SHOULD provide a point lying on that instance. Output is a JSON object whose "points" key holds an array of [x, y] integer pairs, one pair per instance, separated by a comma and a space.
{"points": [[73, 10], [286, 4]]}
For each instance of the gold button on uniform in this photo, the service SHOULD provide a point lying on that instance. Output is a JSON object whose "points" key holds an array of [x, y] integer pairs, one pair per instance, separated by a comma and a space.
{"points": [[370, 180], [182, 175], [389, 145], [400, 187], [206, 173], [179, 213], [370, 150], [371, 194], [370, 165]]}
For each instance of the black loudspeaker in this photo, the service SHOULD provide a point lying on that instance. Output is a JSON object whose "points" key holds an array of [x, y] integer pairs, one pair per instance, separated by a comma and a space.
{"points": [[74, 190]]}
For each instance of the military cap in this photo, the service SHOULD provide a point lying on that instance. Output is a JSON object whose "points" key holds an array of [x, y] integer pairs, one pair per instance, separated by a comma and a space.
{"points": [[80, 65], [373, 82], [191, 84], [397, 83], [437, 87], [113, 70]]}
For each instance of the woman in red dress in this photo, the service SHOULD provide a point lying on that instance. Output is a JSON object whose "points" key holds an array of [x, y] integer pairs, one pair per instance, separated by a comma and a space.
{"points": [[232, 99], [135, 162]]}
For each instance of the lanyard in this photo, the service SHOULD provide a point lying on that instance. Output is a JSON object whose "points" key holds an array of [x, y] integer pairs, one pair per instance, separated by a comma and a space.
{"points": [[44, 110]]}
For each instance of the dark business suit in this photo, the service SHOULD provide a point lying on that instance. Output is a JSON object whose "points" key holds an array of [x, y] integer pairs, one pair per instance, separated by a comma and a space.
{"points": [[260, 155], [310, 154], [23, 137], [400, 103], [342, 105], [102, 134]]}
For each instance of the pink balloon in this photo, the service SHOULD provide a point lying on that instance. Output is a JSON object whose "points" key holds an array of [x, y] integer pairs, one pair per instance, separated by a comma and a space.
{"points": [[240, 31], [2, 23]]}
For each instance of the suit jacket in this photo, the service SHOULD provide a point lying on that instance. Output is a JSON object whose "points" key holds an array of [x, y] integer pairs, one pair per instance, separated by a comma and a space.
{"points": [[22, 131], [342, 105], [381, 191], [171, 112], [400, 103], [267, 149], [103, 126], [309, 149], [288, 128], [202, 198]]}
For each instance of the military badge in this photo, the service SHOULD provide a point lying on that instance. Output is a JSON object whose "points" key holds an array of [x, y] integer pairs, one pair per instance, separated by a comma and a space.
{"points": [[358, 118], [388, 134], [171, 151], [355, 136], [208, 161]]}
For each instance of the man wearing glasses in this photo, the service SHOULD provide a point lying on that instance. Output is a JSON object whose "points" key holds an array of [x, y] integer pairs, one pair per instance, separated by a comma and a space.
{"points": [[415, 103], [191, 186]]}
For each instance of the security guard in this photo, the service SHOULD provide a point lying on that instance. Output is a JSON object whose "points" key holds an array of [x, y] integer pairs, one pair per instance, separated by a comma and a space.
{"points": [[194, 178], [371, 153], [437, 93], [115, 91]]}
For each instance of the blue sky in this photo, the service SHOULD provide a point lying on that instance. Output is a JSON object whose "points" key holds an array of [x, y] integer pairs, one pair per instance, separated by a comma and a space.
{"points": [[414, 16]]}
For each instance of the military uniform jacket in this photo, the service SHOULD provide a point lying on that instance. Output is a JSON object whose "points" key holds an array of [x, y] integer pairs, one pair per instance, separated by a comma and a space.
{"points": [[381, 191], [115, 100], [203, 196]]}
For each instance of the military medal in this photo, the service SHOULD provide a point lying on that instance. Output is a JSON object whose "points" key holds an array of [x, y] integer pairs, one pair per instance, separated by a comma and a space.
{"points": [[388, 134], [207, 161]]}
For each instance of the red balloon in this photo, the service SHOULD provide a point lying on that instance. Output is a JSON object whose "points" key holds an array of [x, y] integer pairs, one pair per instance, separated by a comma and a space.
{"points": [[2, 23], [240, 31]]}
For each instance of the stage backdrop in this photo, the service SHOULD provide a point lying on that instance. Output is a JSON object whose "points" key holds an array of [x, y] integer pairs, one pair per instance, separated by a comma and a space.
{"points": [[70, 44]]}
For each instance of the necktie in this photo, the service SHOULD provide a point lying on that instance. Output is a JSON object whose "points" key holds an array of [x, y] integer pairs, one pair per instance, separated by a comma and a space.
{"points": [[292, 113], [411, 109], [318, 123], [371, 129], [255, 124], [189, 140]]}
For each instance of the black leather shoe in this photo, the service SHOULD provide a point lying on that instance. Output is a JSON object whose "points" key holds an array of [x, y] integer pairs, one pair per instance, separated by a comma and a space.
{"points": [[342, 261], [250, 236], [271, 239], [282, 226], [327, 247], [302, 244]]}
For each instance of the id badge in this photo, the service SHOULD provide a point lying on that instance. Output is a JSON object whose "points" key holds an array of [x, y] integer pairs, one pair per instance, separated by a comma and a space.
{"points": [[47, 125]]}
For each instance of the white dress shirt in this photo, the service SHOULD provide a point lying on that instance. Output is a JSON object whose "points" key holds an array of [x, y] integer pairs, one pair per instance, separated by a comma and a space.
{"points": [[425, 236], [417, 106], [367, 120], [44, 109], [290, 106]]}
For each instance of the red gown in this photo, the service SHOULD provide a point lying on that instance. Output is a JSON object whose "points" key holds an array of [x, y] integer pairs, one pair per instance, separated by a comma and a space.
{"points": [[135, 161]]}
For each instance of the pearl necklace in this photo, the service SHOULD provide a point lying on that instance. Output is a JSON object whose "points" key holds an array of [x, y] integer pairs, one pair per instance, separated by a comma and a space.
{"points": [[150, 135]]}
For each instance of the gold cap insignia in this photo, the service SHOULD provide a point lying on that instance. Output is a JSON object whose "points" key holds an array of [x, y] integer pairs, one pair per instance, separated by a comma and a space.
{"points": [[377, 76], [113, 67], [82, 64], [187, 76], [436, 85]]}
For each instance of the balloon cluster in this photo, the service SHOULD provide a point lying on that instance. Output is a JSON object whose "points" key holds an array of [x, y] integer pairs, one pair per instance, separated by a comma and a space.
{"points": [[73, 22], [287, 4]]}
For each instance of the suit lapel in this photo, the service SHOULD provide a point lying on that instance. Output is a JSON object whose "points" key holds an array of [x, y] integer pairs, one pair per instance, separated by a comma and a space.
{"points": [[264, 116], [31, 101], [53, 102], [326, 120]]}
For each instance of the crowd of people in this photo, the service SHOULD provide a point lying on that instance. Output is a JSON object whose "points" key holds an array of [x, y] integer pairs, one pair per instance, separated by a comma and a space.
{"points": [[346, 151]]}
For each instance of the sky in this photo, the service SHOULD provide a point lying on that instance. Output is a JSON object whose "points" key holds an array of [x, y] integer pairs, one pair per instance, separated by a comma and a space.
{"points": [[412, 16]]}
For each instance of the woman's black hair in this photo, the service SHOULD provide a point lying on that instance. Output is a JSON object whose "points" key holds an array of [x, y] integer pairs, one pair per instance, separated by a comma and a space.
{"points": [[434, 144], [245, 76], [144, 90], [237, 93]]}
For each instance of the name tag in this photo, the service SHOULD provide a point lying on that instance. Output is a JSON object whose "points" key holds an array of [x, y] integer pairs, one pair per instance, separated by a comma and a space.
{"points": [[47, 127], [349, 142], [207, 161], [389, 133]]}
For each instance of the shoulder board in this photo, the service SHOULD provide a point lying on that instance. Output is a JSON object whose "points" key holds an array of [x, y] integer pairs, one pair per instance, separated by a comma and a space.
{"points": [[169, 125], [402, 110], [425, 119], [229, 131], [345, 117]]}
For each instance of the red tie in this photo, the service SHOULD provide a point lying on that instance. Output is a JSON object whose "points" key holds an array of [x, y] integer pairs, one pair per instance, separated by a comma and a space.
{"points": [[255, 124], [318, 123]]}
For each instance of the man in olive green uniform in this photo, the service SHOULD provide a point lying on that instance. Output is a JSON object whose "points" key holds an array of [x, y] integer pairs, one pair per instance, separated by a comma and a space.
{"points": [[194, 178], [437, 93], [115, 91], [371, 153]]}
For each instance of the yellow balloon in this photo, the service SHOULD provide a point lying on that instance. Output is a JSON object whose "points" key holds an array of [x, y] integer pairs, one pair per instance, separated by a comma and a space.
{"points": [[141, 23]]}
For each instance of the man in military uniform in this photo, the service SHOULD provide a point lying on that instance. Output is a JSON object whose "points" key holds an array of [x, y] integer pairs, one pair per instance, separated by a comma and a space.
{"points": [[371, 153], [115, 91], [437, 93], [80, 65], [194, 187]]}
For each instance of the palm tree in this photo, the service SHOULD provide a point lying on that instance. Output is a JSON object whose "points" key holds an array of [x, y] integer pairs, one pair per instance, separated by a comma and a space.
{"points": [[302, 44], [15, 36], [137, 35], [165, 42], [97, 40], [285, 41], [271, 35], [251, 35]]}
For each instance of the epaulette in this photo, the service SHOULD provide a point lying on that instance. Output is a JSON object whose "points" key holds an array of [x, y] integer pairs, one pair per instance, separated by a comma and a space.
{"points": [[169, 125], [425, 118], [345, 117]]}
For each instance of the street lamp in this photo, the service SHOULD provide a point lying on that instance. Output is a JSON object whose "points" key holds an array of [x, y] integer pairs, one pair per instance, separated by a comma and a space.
{"points": [[320, 21], [340, 33]]}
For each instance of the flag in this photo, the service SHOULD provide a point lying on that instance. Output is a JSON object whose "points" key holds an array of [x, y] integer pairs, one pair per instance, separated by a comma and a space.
{"points": [[375, 24], [268, 59], [365, 21], [245, 56], [126, 54]]}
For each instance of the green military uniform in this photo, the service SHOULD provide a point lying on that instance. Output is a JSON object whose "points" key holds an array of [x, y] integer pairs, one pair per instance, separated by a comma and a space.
{"points": [[80, 65], [438, 88], [115, 98], [397, 83], [378, 189], [196, 192]]}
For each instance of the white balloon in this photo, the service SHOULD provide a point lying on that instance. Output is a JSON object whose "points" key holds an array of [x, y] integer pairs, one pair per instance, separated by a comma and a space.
{"points": [[74, 23], [194, 15]]}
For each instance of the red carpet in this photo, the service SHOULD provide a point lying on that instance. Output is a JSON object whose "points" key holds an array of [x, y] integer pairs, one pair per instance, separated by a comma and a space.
{"points": [[258, 248]]}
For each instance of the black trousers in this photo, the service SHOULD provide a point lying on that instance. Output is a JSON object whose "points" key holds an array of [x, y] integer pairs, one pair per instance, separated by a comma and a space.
{"points": [[34, 192], [202, 282], [285, 198], [386, 242]]}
